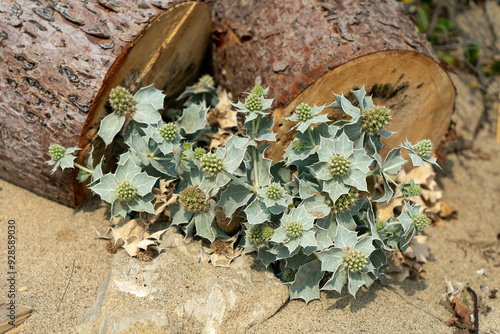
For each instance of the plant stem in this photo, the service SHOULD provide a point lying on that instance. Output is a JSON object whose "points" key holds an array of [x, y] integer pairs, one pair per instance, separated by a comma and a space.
{"points": [[161, 159], [255, 126], [391, 180], [364, 235], [373, 172], [240, 182], [84, 168], [311, 137], [255, 170]]}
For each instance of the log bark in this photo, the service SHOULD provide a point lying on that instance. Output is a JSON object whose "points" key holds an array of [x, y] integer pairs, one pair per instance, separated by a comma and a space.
{"points": [[59, 61], [307, 50]]}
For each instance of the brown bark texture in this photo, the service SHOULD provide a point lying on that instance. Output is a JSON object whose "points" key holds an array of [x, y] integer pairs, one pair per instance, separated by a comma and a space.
{"points": [[307, 50], [58, 62]]}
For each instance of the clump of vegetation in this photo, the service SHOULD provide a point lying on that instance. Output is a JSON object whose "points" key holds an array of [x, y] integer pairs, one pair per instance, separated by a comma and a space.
{"points": [[310, 215]]}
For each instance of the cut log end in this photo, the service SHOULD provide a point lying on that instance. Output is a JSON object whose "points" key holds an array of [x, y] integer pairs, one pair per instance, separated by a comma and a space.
{"points": [[416, 89]]}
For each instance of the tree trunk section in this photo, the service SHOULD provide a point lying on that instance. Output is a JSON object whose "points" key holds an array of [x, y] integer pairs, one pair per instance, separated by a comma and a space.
{"points": [[58, 63], [306, 51]]}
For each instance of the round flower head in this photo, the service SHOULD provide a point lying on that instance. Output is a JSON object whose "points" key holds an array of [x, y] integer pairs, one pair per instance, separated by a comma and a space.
{"points": [[274, 191], [423, 148], [304, 112], [267, 232], [298, 145], [375, 119], [199, 152], [125, 191], [255, 235], [258, 90], [169, 131], [380, 225], [345, 202], [420, 221], [253, 102], [211, 164], [206, 80], [339, 165], [193, 199], [411, 190], [122, 101], [354, 259], [289, 275], [293, 229], [56, 152]]}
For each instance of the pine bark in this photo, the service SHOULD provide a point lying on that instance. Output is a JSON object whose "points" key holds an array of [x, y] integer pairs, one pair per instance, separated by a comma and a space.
{"points": [[58, 62], [307, 50]]}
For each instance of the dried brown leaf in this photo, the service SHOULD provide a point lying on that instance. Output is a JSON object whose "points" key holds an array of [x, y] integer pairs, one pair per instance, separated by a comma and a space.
{"points": [[222, 251]]}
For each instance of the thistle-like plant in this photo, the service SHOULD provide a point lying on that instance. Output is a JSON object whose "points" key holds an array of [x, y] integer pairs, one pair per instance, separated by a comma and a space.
{"points": [[309, 215]]}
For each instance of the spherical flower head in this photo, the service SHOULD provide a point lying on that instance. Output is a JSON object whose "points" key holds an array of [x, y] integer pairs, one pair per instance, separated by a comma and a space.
{"points": [[304, 112], [411, 190], [122, 101], [420, 221], [289, 275], [199, 152], [253, 102], [298, 145], [125, 191], [169, 131], [211, 164], [380, 225], [255, 235], [339, 165], [193, 199], [354, 259], [423, 148], [345, 202], [206, 80], [267, 232], [375, 119], [56, 152], [293, 229], [258, 90], [274, 191]]}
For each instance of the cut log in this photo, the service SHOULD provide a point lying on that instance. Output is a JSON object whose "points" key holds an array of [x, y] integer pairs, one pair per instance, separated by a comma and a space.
{"points": [[58, 63], [307, 50]]}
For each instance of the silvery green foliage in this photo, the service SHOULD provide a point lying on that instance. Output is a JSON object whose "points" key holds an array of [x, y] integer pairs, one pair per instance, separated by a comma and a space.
{"points": [[309, 215], [203, 93]]}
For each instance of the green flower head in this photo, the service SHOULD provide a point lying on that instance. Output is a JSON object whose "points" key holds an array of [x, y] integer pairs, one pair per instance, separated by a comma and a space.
{"points": [[199, 152], [211, 164], [258, 90], [345, 202], [267, 232], [293, 229], [354, 259], [193, 199], [169, 131], [380, 225], [206, 80], [420, 221], [289, 275], [122, 101], [125, 191], [255, 235], [423, 148], [56, 152], [375, 119], [253, 102], [304, 112], [411, 189], [298, 145], [339, 165], [274, 191]]}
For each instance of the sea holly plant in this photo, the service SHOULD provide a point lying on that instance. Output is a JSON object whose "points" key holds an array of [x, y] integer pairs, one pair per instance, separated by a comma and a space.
{"points": [[309, 216]]}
